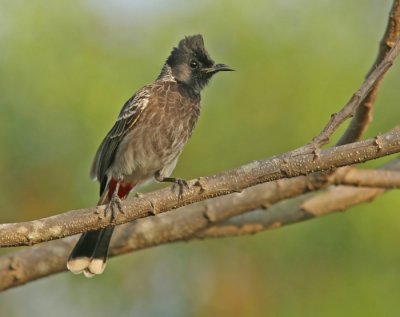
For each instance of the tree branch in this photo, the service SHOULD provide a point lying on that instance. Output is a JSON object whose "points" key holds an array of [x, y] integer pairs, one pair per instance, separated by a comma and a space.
{"points": [[281, 166], [180, 224], [283, 214], [363, 116], [335, 198], [211, 218], [365, 178], [350, 108]]}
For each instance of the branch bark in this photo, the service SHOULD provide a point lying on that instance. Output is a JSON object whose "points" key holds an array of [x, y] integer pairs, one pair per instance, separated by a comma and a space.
{"points": [[372, 80], [363, 116], [333, 199], [208, 219], [286, 165]]}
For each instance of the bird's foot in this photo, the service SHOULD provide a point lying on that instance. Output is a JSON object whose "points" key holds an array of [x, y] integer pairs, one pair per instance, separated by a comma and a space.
{"points": [[112, 206], [182, 184], [178, 182]]}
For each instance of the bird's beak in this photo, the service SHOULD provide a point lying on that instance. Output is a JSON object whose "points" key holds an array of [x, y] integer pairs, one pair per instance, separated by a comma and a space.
{"points": [[217, 68]]}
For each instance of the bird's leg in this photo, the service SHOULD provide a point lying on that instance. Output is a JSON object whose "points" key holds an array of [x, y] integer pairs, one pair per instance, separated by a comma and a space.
{"points": [[115, 202], [181, 183]]}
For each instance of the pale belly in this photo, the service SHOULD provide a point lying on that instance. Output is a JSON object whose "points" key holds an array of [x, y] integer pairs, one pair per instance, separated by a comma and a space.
{"points": [[145, 151]]}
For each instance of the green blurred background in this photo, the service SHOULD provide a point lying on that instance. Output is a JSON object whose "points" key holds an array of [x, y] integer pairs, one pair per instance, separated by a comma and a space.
{"points": [[68, 66]]}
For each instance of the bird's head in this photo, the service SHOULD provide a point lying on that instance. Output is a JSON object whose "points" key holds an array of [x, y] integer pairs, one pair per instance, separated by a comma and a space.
{"points": [[191, 64]]}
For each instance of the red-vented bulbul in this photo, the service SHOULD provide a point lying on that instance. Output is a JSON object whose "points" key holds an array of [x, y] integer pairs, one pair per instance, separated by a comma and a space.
{"points": [[146, 141]]}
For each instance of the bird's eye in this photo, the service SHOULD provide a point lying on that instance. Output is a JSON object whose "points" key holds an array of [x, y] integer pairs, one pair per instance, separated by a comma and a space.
{"points": [[194, 64]]}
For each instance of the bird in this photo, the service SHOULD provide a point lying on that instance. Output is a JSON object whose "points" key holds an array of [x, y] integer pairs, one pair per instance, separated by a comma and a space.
{"points": [[146, 141]]}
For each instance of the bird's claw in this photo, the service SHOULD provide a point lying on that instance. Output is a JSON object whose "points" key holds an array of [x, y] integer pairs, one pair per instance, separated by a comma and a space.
{"points": [[181, 183], [114, 203]]}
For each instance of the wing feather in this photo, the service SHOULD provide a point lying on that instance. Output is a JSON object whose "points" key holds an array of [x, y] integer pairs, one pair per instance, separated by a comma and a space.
{"points": [[125, 122]]}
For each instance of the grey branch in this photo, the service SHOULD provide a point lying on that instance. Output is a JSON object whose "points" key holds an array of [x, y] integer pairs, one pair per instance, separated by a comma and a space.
{"points": [[211, 218], [351, 107], [332, 199], [286, 165], [363, 115]]}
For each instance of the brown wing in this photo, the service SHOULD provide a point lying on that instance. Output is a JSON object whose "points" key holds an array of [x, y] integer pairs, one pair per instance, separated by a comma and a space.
{"points": [[128, 116]]}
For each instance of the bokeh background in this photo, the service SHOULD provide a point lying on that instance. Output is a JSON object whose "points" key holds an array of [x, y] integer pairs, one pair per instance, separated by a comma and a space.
{"points": [[66, 68]]}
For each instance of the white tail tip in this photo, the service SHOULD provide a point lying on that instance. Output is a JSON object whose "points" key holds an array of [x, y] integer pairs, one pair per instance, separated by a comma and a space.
{"points": [[89, 267], [77, 265], [97, 266]]}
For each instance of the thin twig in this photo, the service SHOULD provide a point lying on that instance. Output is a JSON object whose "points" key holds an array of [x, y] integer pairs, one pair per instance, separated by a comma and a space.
{"points": [[363, 116], [349, 109]]}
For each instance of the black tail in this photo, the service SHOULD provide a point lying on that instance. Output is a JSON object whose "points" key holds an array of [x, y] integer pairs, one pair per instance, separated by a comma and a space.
{"points": [[90, 253]]}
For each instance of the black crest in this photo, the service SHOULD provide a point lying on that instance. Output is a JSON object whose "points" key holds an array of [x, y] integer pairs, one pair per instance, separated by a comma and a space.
{"points": [[191, 65], [190, 46]]}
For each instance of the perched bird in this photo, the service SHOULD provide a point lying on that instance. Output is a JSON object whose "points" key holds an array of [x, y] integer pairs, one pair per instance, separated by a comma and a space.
{"points": [[146, 141]]}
